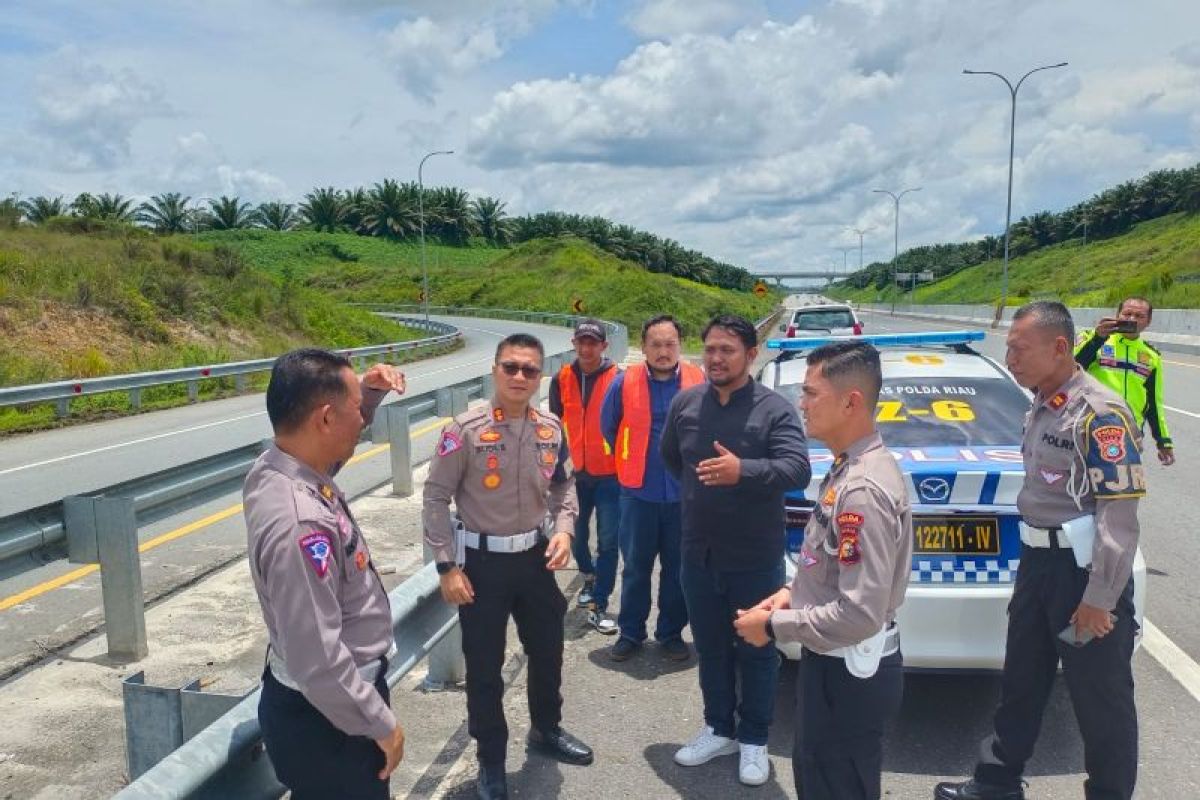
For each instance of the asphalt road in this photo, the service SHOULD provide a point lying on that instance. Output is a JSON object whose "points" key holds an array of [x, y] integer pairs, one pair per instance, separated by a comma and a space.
{"points": [[53, 603]]}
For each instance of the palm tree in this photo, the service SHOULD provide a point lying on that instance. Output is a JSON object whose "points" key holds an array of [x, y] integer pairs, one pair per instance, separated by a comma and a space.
{"points": [[356, 202], [324, 210], [166, 213], [114, 207], [39, 209], [451, 212], [276, 216], [491, 220], [10, 211], [229, 213], [391, 211], [1189, 192], [84, 205]]}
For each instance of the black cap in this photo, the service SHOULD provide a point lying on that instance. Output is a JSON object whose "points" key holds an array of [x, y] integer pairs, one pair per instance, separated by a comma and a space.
{"points": [[593, 328]]}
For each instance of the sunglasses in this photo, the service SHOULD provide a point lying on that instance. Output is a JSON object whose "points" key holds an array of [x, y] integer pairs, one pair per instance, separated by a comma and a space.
{"points": [[512, 368]]}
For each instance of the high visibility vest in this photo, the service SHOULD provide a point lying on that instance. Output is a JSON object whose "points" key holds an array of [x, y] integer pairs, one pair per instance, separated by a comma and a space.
{"points": [[633, 434], [589, 451]]}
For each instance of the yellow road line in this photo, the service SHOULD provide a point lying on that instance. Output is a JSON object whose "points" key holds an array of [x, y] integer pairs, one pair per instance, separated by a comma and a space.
{"points": [[170, 536]]}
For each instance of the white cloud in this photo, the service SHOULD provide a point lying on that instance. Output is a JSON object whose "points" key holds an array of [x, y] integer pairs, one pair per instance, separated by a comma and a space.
{"points": [[668, 19]]}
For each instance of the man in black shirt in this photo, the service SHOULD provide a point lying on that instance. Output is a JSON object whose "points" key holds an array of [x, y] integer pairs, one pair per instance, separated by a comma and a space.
{"points": [[735, 447]]}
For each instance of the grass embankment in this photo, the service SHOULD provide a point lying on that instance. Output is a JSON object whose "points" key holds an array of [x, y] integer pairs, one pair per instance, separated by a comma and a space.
{"points": [[80, 305], [540, 275], [1158, 259]]}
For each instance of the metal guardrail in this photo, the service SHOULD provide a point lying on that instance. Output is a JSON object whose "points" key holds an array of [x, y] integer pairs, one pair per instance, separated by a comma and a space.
{"points": [[62, 392], [226, 759]]}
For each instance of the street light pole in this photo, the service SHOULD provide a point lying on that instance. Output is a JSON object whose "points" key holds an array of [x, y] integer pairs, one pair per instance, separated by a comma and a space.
{"points": [[860, 232], [421, 215], [1012, 139], [896, 252]]}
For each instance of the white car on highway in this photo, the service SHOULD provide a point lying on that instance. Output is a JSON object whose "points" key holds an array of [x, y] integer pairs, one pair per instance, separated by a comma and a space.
{"points": [[825, 319], [953, 419]]}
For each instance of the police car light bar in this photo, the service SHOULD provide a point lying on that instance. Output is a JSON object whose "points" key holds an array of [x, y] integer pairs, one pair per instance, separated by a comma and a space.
{"points": [[948, 338]]}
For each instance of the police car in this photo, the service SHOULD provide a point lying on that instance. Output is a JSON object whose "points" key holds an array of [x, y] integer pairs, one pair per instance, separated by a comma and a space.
{"points": [[953, 420]]}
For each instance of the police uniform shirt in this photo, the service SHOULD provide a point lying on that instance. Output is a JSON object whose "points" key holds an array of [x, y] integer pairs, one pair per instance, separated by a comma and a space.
{"points": [[325, 607], [504, 476], [852, 570], [1082, 455]]}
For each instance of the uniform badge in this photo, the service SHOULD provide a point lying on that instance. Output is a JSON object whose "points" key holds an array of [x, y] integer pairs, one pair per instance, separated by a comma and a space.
{"points": [[532, 415], [360, 560], [549, 457], [449, 443], [1111, 439], [493, 461], [545, 432], [1051, 476], [849, 529], [491, 481], [829, 497], [498, 414], [344, 527], [807, 558], [326, 491], [1108, 350], [1144, 358], [1058, 401], [317, 549], [490, 436]]}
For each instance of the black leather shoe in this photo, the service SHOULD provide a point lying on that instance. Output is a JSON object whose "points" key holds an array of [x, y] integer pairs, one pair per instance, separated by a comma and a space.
{"points": [[493, 783], [561, 745], [971, 790]]}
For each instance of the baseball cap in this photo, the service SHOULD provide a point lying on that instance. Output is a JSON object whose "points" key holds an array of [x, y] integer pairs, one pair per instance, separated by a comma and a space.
{"points": [[592, 328]]}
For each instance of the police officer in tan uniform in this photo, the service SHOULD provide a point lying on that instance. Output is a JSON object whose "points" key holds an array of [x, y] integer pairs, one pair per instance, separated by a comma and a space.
{"points": [[1073, 600], [508, 471], [324, 710], [851, 576]]}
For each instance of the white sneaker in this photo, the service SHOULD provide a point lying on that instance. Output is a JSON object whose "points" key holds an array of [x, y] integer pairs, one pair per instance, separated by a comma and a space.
{"points": [[754, 768], [705, 747]]}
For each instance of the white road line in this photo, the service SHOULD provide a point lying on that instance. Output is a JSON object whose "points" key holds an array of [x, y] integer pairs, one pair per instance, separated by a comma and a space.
{"points": [[1181, 411], [1178, 663]]}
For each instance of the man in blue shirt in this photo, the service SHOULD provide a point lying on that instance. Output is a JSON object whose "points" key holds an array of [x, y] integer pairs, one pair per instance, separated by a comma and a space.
{"points": [[632, 419]]}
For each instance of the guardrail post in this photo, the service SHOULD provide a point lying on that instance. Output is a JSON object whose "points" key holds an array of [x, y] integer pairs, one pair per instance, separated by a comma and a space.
{"points": [[239, 382], [103, 530], [193, 391], [459, 399], [396, 416], [135, 398], [488, 387], [447, 666], [444, 402], [62, 407]]}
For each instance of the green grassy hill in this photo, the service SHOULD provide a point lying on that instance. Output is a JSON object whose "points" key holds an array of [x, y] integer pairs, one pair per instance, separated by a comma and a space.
{"points": [[1158, 259], [540, 275]]}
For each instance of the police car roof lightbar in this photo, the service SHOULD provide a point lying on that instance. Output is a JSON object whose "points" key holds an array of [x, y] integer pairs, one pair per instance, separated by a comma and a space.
{"points": [[948, 338]]}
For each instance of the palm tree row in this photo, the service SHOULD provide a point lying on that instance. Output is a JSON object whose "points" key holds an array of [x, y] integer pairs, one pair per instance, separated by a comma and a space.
{"points": [[1109, 213]]}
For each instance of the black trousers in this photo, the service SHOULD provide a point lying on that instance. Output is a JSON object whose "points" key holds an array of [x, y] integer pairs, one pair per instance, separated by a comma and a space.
{"points": [[838, 751], [313, 758], [520, 586], [1099, 679]]}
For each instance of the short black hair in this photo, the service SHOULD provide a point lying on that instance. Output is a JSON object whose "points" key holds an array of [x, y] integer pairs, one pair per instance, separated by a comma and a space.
{"points": [[1135, 298], [738, 326], [856, 363], [658, 320], [1049, 314], [300, 381], [520, 340]]}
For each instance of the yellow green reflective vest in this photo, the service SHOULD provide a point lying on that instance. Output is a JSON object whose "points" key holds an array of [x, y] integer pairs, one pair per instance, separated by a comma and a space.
{"points": [[1133, 369]]}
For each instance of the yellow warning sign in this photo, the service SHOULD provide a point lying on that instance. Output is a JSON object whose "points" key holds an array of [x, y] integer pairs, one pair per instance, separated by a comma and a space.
{"points": [[760, 289]]}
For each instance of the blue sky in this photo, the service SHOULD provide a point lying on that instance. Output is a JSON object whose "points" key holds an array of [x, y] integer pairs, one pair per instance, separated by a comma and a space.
{"points": [[753, 130]]}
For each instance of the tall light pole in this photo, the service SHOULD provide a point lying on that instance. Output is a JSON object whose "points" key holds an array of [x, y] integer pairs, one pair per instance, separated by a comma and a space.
{"points": [[421, 215], [860, 232], [1012, 138], [896, 252], [845, 266]]}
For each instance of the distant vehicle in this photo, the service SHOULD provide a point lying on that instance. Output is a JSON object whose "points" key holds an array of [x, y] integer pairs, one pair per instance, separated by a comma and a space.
{"points": [[953, 419], [827, 319]]}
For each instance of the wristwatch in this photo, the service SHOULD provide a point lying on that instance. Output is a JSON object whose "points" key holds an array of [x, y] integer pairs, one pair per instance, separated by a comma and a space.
{"points": [[770, 630], [445, 566]]}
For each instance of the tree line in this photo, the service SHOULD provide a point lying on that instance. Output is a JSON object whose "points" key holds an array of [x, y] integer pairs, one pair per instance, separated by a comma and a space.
{"points": [[389, 209], [1109, 213]]}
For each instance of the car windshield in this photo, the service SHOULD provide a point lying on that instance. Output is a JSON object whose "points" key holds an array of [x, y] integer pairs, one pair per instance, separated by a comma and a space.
{"points": [[823, 320], [945, 412]]}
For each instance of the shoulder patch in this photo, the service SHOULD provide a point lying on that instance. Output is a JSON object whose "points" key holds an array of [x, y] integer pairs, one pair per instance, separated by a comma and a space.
{"points": [[849, 551], [1110, 439], [450, 443], [318, 549]]}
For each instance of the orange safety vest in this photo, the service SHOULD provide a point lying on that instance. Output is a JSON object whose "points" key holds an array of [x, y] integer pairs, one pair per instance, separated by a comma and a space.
{"points": [[633, 434], [589, 451]]}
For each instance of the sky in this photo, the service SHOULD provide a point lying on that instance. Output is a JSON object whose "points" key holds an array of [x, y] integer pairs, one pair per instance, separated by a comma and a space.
{"points": [[754, 131]]}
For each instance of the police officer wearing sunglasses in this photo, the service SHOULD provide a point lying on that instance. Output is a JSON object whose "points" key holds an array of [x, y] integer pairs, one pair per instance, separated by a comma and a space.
{"points": [[507, 469]]}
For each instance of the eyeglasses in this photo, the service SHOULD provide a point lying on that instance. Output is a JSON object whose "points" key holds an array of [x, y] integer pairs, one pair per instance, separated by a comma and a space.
{"points": [[528, 370]]}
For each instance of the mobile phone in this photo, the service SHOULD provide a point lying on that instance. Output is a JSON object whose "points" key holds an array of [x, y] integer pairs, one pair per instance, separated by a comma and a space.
{"points": [[1067, 634], [1125, 326]]}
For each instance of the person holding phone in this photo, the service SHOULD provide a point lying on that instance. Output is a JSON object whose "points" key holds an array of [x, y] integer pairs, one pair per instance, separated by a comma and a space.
{"points": [[1073, 599], [1116, 355]]}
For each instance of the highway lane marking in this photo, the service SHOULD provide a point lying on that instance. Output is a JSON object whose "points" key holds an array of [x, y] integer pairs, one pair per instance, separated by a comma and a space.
{"points": [[1181, 667], [1181, 411], [170, 536]]}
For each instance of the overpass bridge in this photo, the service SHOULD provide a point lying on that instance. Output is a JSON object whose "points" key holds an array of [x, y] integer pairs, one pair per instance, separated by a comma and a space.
{"points": [[811, 275]]}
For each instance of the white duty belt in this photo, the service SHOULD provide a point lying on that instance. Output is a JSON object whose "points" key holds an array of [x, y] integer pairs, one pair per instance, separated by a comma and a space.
{"points": [[1080, 533], [517, 543], [862, 659]]}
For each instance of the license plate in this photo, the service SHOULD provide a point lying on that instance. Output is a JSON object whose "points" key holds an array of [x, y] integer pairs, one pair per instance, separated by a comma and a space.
{"points": [[961, 534]]}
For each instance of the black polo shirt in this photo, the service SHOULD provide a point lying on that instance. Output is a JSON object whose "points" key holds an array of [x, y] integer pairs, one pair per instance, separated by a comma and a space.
{"points": [[738, 527]]}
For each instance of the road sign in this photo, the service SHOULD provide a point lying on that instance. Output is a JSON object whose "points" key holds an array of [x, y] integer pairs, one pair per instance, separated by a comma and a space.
{"points": [[760, 289], [577, 306]]}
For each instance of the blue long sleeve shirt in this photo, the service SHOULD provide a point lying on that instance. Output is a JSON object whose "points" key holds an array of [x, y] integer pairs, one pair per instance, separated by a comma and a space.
{"points": [[658, 486]]}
